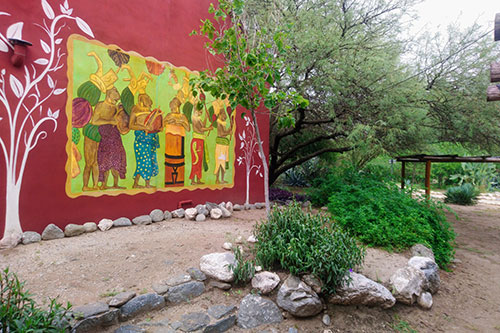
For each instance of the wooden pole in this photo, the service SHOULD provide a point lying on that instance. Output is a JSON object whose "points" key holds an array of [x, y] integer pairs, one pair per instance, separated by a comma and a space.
{"points": [[428, 179], [495, 72], [403, 174], [493, 94], [497, 27]]}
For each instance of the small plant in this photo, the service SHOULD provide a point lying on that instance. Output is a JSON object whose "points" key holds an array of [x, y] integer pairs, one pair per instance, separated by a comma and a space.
{"points": [[465, 194], [303, 243], [243, 270], [277, 194], [20, 313], [402, 326]]}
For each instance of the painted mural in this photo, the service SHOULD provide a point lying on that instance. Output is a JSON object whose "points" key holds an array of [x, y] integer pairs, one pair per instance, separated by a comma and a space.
{"points": [[134, 126]]}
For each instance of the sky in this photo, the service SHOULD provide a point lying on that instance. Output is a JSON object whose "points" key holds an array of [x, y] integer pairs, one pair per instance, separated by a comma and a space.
{"points": [[435, 15]]}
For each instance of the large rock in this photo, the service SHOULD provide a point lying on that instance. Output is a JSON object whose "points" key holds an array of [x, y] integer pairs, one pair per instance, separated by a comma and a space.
{"points": [[216, 213], [313, 282], [194, 321], [142, 220], [221, 326], [216, 266], [52, 231], [73, 230], [97, 322], [196, 274], [31, 237], [220, 310], [201, 217], [177, 280], [298, 298], [157, 215], [407, 284], [191, 213], [130, 329], [141, 304], [431, 271], [185, 292], [210, 206], [122, 222], [167, 215], [419, 250], [265, 282], [363, 291], [89, 310], [229, 206], [237, 208], [202, 209], [105, 224], [225, 213], [90, 226], [121, 299], [178, 213], [255, 311]]}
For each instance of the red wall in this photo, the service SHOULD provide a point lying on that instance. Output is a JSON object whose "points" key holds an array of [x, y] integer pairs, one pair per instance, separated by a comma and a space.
{"points": [[157, 28]]}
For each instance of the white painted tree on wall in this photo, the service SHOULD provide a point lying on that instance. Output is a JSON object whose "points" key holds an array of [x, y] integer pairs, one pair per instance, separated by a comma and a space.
{"points": [[25, 112], [249, 146]]}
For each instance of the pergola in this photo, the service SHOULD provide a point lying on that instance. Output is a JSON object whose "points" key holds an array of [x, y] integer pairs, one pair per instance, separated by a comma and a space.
{"points": [[428, 159]]}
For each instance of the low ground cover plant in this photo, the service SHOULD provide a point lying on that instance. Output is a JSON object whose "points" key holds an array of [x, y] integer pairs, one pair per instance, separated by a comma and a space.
{"points": [[465, 194], [278, 194], [20, 313], [302, 242], [380, 214]]}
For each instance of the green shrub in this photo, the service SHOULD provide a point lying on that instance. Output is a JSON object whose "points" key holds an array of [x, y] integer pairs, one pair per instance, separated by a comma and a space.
{"points": [[20, 313], [382, 215], [462, 195], [301, 243], [243, 270]]}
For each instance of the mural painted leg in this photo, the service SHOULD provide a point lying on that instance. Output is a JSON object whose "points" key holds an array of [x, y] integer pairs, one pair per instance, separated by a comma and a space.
{"points": [[90, 148], [116, 177]]}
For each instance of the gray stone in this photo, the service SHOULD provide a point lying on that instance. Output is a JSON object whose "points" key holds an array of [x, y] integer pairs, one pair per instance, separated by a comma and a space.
{"points": [[196, 274], [176, 325], [326, 320], [105, 224], [160, 288], [163, 323], [177, 280], [259, 205], [252, 239], [52, 231], [216, 265], [121, 299], [265, 282], [313, 282], [142, 220], [178, 213], [73, 230], [201, 217], [229, 206], [30, 237], [219, 285], [298, 298], [430, 270], [89, 310], [221, 325], [293, 330], [215, 213], [248, 206], [157, 215], [420, 250], [130, 329], [210, 206], [122, 222], [90, 226], [185, 292], [202, 209], [255, 311], [167, 215], [239, 240], [95, 323], [141, 304], [190, 213], [219, 311], [363, 291], [194, 321], [225, 213], [425, 300], [227, 246], [407, 284], [237, 208]]}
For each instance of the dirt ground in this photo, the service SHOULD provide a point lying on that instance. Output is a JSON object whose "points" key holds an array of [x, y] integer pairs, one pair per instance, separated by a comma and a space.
{"points": [[90, 267]]}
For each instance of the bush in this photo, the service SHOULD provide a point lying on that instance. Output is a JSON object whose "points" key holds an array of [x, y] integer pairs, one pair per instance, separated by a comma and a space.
{"points": [[243, 270], [462, 195], [20, 313], [277, 194], [382, 215], [305, 243]]}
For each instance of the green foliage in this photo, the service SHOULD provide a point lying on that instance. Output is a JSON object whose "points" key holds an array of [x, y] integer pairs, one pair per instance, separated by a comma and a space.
{"points": [[443, 172], [380, 214], [243, 270], [477, 174], [20, 313], [303, 242], [465, 194]]}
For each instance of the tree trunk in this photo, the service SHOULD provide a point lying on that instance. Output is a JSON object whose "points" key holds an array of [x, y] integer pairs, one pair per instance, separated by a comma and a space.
{"points": [[264, 163], [247, 200], [12, 233], [497, 27]]}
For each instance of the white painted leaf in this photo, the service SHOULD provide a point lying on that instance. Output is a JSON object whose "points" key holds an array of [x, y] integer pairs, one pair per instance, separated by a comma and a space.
{"points": [[242, 145], [3, 71], [239, 135], [66, 4], [1, 118], [260, 174], [41, 61], [45, 47], [58, 41], [3, 46], [84, 27], [47, 9], [55, 115], [244, 135], [63, 10], [50, 82], [59, 91], [16, 86], [69, 11], [15, 31], [49, 112]]}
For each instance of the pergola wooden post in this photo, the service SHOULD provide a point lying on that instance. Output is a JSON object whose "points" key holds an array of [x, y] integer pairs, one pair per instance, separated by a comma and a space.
{"points": [[403, 174], [493, 91], [428, 179]]}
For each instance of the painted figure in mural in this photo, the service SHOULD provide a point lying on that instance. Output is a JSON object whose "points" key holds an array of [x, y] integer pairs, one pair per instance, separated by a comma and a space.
{"points": [[199, 152], [143, 120], [222, 141], [136, 86], [176, 125]]}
